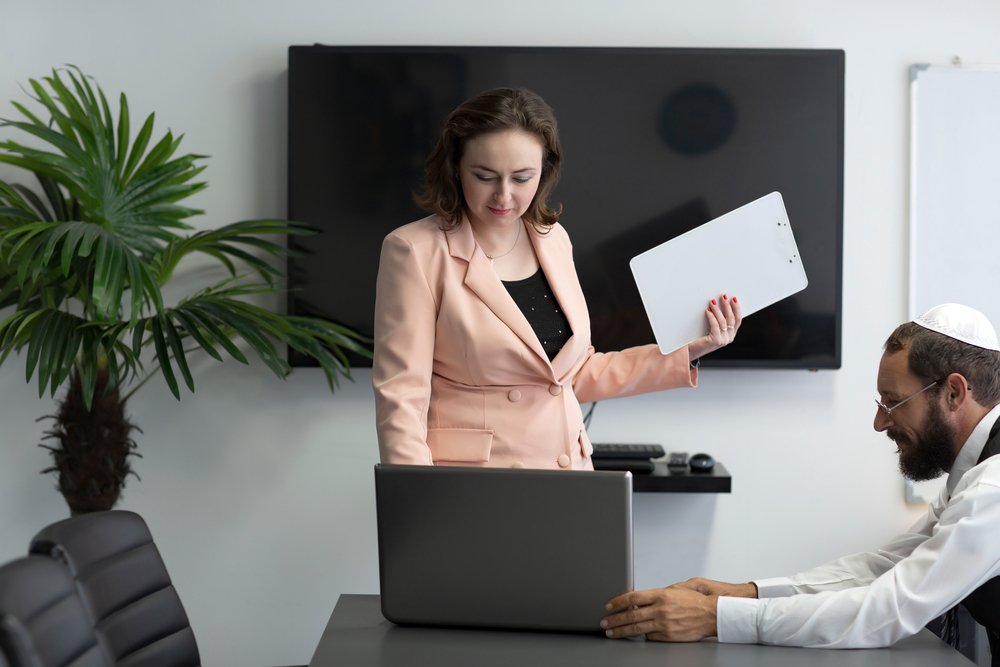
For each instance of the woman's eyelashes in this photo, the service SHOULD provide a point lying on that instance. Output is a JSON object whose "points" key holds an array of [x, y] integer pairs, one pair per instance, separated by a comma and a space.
{"points": [[488, 178]]}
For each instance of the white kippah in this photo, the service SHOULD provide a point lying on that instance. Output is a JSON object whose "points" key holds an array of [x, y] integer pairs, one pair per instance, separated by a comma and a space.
{"points": [[961, 323]]}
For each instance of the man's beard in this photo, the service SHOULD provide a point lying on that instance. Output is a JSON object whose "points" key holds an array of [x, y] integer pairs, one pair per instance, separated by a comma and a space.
{"points": [[932, 452]]}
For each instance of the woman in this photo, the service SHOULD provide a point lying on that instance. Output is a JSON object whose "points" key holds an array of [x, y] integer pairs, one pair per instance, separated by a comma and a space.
{"points": [[482, 336]]}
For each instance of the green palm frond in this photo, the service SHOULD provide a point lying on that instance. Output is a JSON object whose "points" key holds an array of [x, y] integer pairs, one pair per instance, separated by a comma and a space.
{"points": [[84, 259], [56, 341], [231, 244]]}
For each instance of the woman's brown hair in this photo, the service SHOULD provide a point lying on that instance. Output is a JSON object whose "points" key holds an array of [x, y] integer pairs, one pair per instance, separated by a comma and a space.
{"points": [[492, 111]]}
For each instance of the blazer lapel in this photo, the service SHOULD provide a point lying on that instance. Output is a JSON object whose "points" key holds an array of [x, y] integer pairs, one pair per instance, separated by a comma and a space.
{"points": [[482, 280], [557, 263]]}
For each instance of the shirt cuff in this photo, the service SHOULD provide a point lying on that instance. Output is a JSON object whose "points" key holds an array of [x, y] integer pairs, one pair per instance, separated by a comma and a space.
{"points": [[736, 620], [775, 587]]}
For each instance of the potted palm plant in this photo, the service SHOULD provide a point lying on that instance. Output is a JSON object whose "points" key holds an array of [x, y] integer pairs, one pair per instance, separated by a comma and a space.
{"points": [[84, 259]]}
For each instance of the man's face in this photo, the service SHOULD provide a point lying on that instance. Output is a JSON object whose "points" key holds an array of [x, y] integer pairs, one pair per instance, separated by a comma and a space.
{"points": [[924, 436]]}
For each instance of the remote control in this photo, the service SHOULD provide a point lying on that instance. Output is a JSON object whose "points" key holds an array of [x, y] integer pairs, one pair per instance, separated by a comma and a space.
{"points": [[677, 462], [606, 450]]}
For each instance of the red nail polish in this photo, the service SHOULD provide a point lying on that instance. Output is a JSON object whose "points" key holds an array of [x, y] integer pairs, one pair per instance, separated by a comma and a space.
{"points": [[723, 296], [734, 299], [713, 302]]}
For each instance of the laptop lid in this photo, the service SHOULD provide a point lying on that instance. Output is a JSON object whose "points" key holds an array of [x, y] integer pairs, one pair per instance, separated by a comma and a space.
{"points": [[749, 252], [502, 548]]}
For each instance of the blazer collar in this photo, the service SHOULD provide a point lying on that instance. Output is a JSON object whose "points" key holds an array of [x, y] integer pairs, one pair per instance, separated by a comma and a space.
{"points": [[483, 280], [556, 262]]}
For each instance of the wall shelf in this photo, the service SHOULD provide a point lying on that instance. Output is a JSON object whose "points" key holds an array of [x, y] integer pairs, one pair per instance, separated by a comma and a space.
{"points": [[662, 480]]}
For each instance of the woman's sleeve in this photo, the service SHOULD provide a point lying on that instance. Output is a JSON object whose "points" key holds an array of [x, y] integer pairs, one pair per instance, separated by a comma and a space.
{"points": [[635, 370], [405, 320]]}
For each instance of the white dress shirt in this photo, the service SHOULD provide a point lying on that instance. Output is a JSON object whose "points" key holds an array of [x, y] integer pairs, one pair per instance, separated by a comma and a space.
{"points": [[876, 598]]}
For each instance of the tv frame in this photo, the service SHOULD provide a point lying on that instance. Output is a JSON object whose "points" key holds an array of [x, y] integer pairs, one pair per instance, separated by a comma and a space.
{"points": [[834, 360]]}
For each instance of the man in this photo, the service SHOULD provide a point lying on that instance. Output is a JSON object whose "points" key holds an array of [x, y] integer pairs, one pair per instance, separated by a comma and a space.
{"points": [[939, 386]]}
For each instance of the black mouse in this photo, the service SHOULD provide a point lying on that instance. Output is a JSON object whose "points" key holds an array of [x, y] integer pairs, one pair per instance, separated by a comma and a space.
{"points": [[701, 463]]}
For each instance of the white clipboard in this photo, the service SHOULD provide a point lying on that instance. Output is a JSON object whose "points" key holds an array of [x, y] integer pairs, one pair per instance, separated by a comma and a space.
{"points": [[749, 252]]}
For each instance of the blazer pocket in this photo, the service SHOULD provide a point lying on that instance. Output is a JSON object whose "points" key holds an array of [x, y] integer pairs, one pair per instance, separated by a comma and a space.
{"points": [[468, 445]]}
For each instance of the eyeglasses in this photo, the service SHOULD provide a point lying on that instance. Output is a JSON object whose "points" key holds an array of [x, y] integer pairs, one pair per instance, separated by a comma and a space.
{"points": [[888, 410]]}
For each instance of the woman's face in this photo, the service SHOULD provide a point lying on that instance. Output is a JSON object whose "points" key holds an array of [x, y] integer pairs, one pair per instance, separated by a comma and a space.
{"points": [[500, 174]]}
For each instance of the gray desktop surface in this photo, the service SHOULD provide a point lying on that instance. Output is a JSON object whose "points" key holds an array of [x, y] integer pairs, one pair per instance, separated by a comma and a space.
{"points": [[359, 636]]}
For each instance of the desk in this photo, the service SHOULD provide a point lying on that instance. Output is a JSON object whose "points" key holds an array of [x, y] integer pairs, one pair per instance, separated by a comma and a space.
{"points": [[359, 636]]}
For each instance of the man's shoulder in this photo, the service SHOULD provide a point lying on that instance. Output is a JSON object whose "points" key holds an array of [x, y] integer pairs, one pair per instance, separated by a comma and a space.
{"points": [[982, 480], [988, 471]]}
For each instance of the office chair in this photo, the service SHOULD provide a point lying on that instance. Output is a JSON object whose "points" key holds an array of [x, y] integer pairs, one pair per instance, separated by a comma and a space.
{"points": [[124, 583], [43, 621]]}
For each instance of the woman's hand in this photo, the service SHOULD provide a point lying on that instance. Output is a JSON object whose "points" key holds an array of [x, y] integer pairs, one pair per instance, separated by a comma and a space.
{"points": [[724, 318]]}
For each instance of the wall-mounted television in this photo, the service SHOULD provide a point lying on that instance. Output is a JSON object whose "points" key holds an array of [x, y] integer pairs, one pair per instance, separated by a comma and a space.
{"points": [[656, 141]]}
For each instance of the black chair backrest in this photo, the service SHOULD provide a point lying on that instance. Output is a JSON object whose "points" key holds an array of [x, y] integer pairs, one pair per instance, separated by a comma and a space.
{"points": [[125, 584], [43, 621]]}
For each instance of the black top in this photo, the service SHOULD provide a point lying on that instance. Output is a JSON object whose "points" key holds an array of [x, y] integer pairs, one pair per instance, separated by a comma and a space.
{"points": [[535, 299]]}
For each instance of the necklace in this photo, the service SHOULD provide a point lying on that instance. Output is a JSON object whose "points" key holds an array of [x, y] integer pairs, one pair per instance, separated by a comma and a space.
{"points": [[517, 238]]}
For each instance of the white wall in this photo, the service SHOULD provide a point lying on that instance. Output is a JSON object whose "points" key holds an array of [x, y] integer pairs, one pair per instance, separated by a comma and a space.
{"points": [[259, 492]]}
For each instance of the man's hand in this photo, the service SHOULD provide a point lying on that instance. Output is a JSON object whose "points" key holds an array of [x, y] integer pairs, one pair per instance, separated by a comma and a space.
{"points": [[719, 588], [671, 614]]}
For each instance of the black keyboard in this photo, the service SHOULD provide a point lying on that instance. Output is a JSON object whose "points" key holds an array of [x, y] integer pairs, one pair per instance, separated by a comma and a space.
{"points": [[609, 450]]}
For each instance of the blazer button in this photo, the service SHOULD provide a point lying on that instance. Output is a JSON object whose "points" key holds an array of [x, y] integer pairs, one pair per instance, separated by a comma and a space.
{"points": [[555, 389], [514, 395], [563, 461]]}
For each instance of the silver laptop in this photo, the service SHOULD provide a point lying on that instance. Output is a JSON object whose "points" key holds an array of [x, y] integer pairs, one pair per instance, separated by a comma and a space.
{"points": [[502, 548]]}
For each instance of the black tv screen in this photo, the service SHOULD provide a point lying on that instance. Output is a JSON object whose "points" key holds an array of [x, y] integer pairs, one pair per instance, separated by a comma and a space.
{"points": [[656, 142]]}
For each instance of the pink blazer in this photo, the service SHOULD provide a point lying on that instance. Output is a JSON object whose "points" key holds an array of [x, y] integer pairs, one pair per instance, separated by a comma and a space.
{"points": [[460, 377]]}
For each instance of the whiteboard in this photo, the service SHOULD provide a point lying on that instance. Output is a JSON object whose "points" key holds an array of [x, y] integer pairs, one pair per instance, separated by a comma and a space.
{"points": [[954, 197], [954, 187]]}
